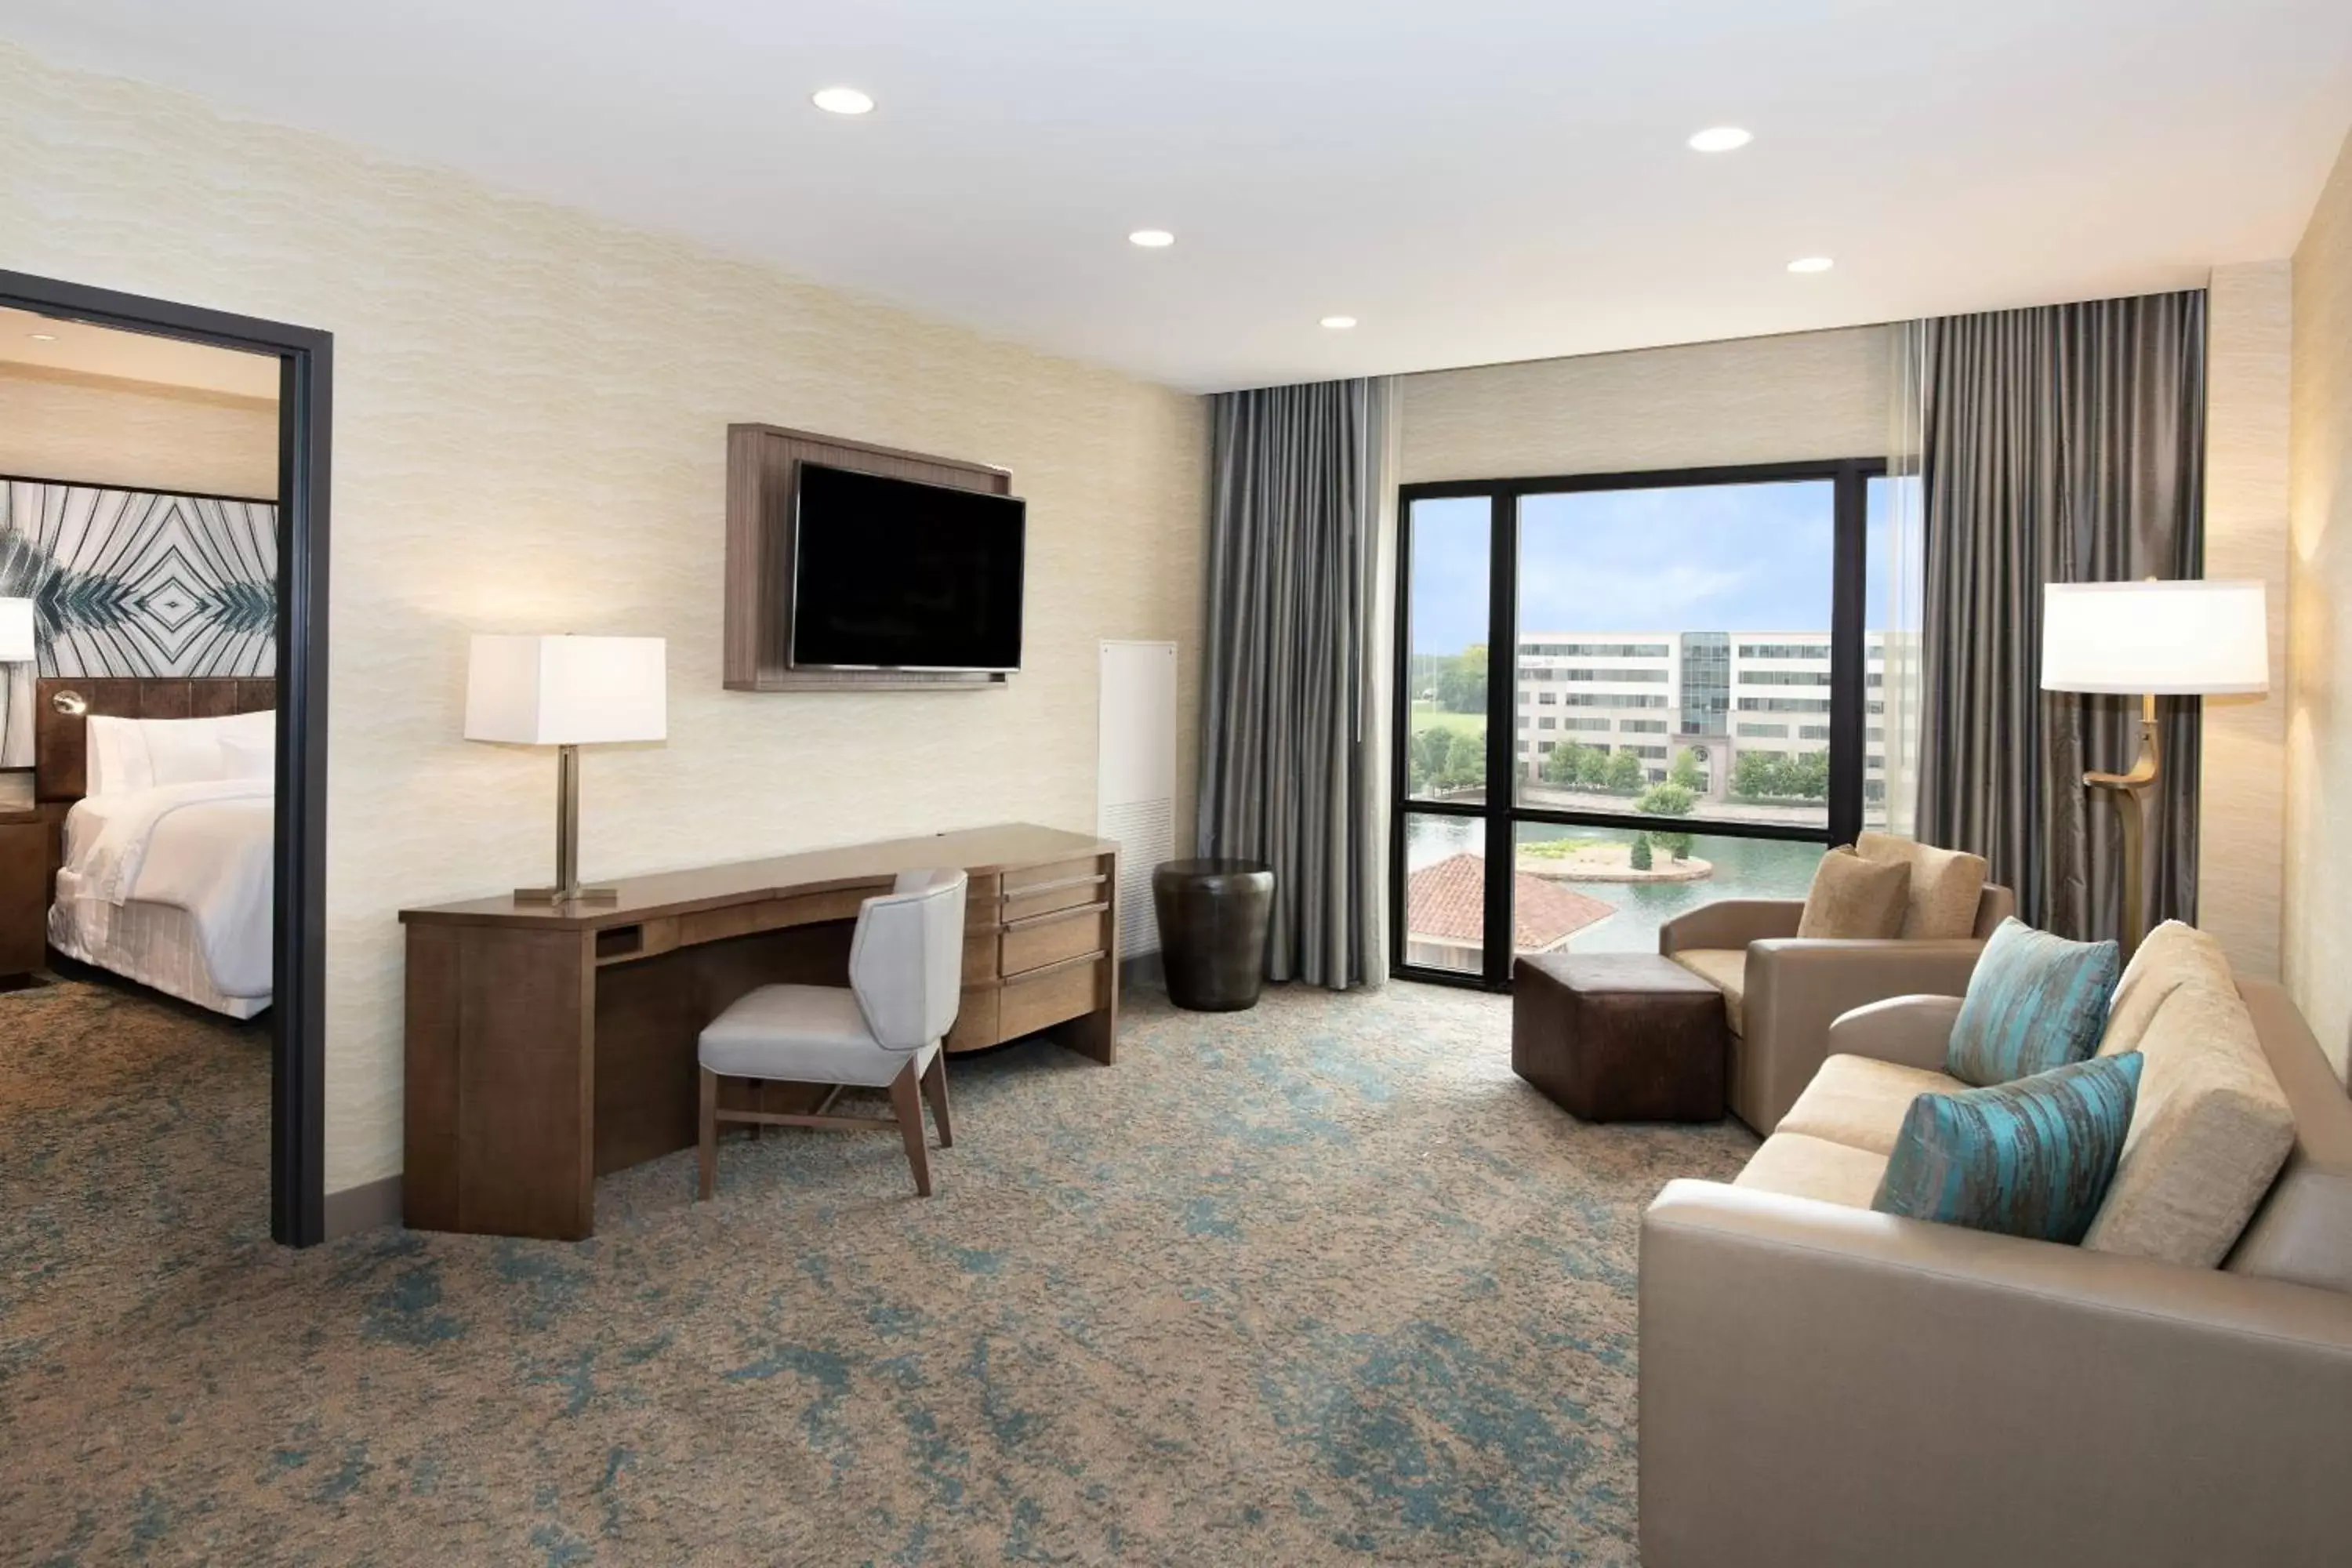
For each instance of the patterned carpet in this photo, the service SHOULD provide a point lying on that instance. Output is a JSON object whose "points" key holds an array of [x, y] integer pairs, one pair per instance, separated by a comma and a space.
{"points": [[1319, 1283]]}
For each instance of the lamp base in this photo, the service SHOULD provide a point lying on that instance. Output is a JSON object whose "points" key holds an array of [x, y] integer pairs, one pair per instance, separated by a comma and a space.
{"points": [[567, 895]]}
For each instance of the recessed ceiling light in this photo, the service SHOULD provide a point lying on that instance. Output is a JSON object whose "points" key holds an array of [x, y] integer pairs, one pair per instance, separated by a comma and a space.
{"points": [[1152, 238], [1721, 139], [1812, 264], [1338, 323], [42, 337], [843, 101]]}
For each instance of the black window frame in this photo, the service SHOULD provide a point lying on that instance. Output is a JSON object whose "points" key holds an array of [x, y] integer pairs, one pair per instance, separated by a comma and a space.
{"points": [[1850, 478]]}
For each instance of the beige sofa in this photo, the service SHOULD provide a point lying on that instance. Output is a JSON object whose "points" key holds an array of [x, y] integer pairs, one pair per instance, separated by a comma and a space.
{"points": [[1780, 992], [1822, 1385]]}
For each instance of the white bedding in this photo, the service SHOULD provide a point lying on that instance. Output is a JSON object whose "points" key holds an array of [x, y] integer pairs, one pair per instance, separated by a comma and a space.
{"points": [[203, 849]]}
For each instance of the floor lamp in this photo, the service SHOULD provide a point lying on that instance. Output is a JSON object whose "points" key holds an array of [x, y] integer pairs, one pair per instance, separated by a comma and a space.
{"points": [[566, 692], [2151, 639]]}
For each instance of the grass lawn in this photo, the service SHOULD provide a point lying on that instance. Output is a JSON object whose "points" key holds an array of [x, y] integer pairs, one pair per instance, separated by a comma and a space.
{"points": [[1428, 716]]}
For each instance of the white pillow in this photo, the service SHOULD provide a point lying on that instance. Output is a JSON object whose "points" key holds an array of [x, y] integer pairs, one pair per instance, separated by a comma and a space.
{"points": [[142, 753], [114, 756], [243, 757], [182, 751]]}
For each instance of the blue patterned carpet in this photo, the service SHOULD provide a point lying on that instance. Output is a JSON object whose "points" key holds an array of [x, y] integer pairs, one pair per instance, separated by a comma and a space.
{"points": [[1319, 1283]]}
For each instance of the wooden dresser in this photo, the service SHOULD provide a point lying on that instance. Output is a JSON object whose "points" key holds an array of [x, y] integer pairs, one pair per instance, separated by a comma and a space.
{"points": [[548, 1045], [25, 837]]}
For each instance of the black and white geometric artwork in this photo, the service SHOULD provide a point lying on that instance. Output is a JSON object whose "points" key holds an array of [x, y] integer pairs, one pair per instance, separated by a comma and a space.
{"points": [[135, 583]]}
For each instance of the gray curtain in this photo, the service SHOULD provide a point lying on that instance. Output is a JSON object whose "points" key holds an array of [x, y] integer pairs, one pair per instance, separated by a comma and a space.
{"points": [[1288, 758], [2060, 444]]}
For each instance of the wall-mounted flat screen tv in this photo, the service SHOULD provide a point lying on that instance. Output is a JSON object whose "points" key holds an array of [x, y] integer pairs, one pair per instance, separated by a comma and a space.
{"points": [[890, 573]]}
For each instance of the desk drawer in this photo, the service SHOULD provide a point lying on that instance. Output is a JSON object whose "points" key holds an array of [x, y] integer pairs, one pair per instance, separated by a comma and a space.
{"points": [[1051, 938], [1047, 898], [1033, 1002], [1034, 876]]}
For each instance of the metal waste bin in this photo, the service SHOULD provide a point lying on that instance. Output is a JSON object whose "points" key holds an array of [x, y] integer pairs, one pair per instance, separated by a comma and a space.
{"points": [[1213, 922]]}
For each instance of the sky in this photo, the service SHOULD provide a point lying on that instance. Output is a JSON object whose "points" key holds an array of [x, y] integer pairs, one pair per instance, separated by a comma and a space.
{"points": [[1723, 558]]}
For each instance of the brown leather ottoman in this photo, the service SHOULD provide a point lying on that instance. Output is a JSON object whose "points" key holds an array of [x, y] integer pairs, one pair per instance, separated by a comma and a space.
{"points": [[1619, 1037]]}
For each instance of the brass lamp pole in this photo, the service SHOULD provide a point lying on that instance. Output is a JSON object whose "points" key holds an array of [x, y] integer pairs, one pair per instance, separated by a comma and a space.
{"points": [[2132, 790]]}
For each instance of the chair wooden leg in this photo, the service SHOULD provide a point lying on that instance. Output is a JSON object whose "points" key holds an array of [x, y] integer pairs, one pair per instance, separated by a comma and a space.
{"points": [[934, 1090], [907, 1102], [709, 1141]]}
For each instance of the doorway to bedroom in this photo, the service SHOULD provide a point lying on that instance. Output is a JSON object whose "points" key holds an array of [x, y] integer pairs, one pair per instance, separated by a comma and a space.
{"points": [[161, 743]]}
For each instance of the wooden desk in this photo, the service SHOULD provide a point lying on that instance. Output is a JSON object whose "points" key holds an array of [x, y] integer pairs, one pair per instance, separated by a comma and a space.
{"points": [[547, 1047]]}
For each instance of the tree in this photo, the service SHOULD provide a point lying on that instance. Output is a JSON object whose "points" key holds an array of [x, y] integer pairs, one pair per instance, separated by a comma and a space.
{"points": [[1466, 760], [1462, 682], [1640, 858], [1593, 767], [1761, 775], [1756, 775], [1624, 770], [1676, 845], [1667, 799], [1687, 772], [1564, 764]]}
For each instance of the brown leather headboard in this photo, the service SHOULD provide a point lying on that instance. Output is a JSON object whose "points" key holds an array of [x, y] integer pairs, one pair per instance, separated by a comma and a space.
{"points": [[60, 756]]}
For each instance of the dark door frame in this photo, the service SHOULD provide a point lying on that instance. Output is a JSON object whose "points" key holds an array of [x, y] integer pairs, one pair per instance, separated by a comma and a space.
{"points": [[1500, 819], [297, 1175]]}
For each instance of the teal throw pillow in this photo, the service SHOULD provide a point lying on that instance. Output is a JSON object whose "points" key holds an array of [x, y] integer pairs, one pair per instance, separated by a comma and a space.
{"points": [[2032, 1158], [2035, 1002]]}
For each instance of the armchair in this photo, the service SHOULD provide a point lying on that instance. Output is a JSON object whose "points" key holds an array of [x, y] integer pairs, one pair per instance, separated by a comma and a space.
{"points": [[1780, 992]]}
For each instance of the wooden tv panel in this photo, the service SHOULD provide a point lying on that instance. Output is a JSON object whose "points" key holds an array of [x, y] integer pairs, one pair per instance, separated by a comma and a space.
{"points": [[762, 463]]}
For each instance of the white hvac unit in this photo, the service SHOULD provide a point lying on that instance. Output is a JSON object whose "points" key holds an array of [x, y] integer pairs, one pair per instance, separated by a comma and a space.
{"points": [[1135, 792]]}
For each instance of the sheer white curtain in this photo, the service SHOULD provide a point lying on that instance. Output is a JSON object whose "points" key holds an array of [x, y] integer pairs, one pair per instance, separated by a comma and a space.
{"points": [[1900, 566]]}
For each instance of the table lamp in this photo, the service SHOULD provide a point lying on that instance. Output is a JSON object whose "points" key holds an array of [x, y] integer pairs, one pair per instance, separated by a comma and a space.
{"points": [[2151, 638], [17, 646], [566, 692]]}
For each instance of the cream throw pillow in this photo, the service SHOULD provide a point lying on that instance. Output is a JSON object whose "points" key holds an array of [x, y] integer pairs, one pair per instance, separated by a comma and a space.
{"points": [[1855, 897], [1946, 885], [2170, 956], [2209, 1131]]}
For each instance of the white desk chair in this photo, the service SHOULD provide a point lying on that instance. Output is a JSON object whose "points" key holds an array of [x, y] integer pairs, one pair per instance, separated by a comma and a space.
{"points": [[905, 980]]}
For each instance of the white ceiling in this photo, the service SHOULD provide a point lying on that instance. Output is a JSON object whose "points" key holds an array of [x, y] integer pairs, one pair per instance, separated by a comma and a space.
{"points": [[83, 349], [1476, 180]]}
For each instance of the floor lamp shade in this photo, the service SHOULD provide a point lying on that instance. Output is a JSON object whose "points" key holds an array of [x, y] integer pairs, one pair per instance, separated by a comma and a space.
{"points": [[2163, 639], [16, 643], [567, 691]]}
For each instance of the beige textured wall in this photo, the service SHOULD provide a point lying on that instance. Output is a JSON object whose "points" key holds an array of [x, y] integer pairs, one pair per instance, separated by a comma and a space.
{"points": [[1749, 400], [530, 436], [2241, 802], [2319, 691], [55, 424]]}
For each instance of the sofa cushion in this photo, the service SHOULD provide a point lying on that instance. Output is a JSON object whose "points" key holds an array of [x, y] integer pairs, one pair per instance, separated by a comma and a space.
{"points": [[2035, 1002], [1855, 899], [2211, 1131], [1941, 904], [2170, 956], [2032, 1157], [1796, 1167], [1726, 969], [1858, 1101]]}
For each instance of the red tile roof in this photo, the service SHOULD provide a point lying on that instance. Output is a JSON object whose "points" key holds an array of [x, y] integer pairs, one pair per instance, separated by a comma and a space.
{"points": [[1447, 902]]}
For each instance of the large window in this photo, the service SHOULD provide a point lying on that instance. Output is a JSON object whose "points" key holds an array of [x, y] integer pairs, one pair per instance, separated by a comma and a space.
{"points": [[1679, 717]]}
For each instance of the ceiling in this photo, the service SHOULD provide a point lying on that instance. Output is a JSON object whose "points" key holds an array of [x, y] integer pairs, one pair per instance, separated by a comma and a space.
{"points": [[1475, 180], [85, 350]]}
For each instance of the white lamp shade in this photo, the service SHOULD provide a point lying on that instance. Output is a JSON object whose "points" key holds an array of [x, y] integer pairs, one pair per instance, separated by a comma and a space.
{"points": [[567, 691], [16, 631], [2161, 638]]}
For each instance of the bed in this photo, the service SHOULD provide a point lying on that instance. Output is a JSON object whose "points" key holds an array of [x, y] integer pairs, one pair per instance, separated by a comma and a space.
{"points": [[162, 789]]}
